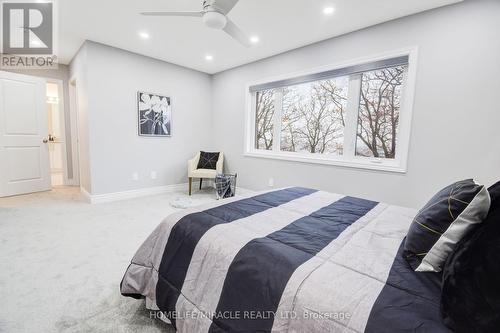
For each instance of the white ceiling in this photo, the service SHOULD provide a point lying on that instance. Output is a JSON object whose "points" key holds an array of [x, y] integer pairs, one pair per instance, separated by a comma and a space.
{"points": [[282, 25]]}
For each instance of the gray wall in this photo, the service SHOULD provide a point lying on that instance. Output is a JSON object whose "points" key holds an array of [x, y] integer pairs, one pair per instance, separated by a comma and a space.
{"points": [[110, 79], [61, 73], [456, 117]]}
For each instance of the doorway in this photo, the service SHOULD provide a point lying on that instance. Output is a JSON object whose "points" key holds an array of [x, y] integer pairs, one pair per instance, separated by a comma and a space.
{"points": [[38, 146], [56, 132]]}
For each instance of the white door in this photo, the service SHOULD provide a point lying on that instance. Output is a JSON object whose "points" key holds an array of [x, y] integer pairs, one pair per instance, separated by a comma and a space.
{"points": [[24, 154]]}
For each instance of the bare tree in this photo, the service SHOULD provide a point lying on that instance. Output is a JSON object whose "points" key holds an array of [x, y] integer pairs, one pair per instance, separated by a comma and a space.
{"points": [[264, 119], [379, 112], [290, 116], [313, 121], [313, 115], [338, 96]]}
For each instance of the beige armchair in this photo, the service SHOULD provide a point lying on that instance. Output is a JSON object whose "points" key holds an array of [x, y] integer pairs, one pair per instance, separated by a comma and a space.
{"points": [[193, 172]]}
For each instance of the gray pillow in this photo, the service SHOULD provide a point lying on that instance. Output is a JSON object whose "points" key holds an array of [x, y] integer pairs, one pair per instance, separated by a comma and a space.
{"points": [[443, 222]]}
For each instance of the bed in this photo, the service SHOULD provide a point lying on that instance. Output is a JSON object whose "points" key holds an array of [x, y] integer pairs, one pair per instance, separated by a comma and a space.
{"points": [[287, 260]]}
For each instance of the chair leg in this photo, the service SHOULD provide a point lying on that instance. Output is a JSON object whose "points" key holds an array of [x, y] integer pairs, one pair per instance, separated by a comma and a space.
{"points": [[201, 180], [190, 184]]}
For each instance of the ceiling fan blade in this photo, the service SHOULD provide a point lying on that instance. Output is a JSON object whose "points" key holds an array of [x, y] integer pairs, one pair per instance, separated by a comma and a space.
{"points": [[193, 14], [224, 6], [234, 31]]}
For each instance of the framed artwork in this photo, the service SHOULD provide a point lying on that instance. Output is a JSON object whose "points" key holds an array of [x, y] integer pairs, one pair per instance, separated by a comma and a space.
{"points": [[155, 114]]}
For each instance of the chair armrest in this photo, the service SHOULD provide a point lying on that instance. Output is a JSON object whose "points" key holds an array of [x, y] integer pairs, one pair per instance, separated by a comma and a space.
{"points": [[193, 164]]}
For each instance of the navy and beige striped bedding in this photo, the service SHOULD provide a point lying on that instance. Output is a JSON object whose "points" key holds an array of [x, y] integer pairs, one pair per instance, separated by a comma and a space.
{"points": [[290, 260]]}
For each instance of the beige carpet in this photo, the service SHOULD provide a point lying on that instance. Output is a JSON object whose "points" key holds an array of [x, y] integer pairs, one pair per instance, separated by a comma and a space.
{"points": [[63, 259]]}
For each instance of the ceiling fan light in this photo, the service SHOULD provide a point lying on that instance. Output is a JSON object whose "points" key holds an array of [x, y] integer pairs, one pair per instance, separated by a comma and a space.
{"points": [[254, 39], [328, 10], [214, 20]]}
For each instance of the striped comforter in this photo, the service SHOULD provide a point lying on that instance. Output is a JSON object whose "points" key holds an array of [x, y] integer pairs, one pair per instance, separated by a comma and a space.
{"points": [[290, 260]]}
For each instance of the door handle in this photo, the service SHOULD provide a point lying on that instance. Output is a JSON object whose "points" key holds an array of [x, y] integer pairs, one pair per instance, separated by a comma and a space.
{"points": [[45, 140]]}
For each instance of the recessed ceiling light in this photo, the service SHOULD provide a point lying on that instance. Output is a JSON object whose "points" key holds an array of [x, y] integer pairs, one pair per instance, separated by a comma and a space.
{"points": [[144, 35], [209, 57], [254, 39], [328, 10]]}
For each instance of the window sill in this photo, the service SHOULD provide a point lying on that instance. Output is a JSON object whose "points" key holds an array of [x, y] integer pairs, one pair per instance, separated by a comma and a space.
{"points": [[356, 163]]}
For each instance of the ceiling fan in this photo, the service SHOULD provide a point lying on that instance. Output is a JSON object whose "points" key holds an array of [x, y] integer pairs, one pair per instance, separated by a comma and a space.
{"points": [[214, 16]]}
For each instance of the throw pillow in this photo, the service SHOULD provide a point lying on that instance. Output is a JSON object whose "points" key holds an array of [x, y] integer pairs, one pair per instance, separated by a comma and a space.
{"points": [[470, 297], [208, 160], [443, 222]]}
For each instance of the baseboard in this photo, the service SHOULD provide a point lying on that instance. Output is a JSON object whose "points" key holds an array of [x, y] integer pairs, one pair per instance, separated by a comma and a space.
{"points": [[86, 194], [143, 192]]}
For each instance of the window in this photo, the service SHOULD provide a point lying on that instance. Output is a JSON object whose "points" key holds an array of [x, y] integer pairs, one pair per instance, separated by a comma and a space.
{"points": [[378, 115], [312, 117], [264, 126], [349, 116]]}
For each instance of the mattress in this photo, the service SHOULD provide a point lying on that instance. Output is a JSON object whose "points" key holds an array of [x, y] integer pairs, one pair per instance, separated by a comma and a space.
{"points": [[288, 260]]}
